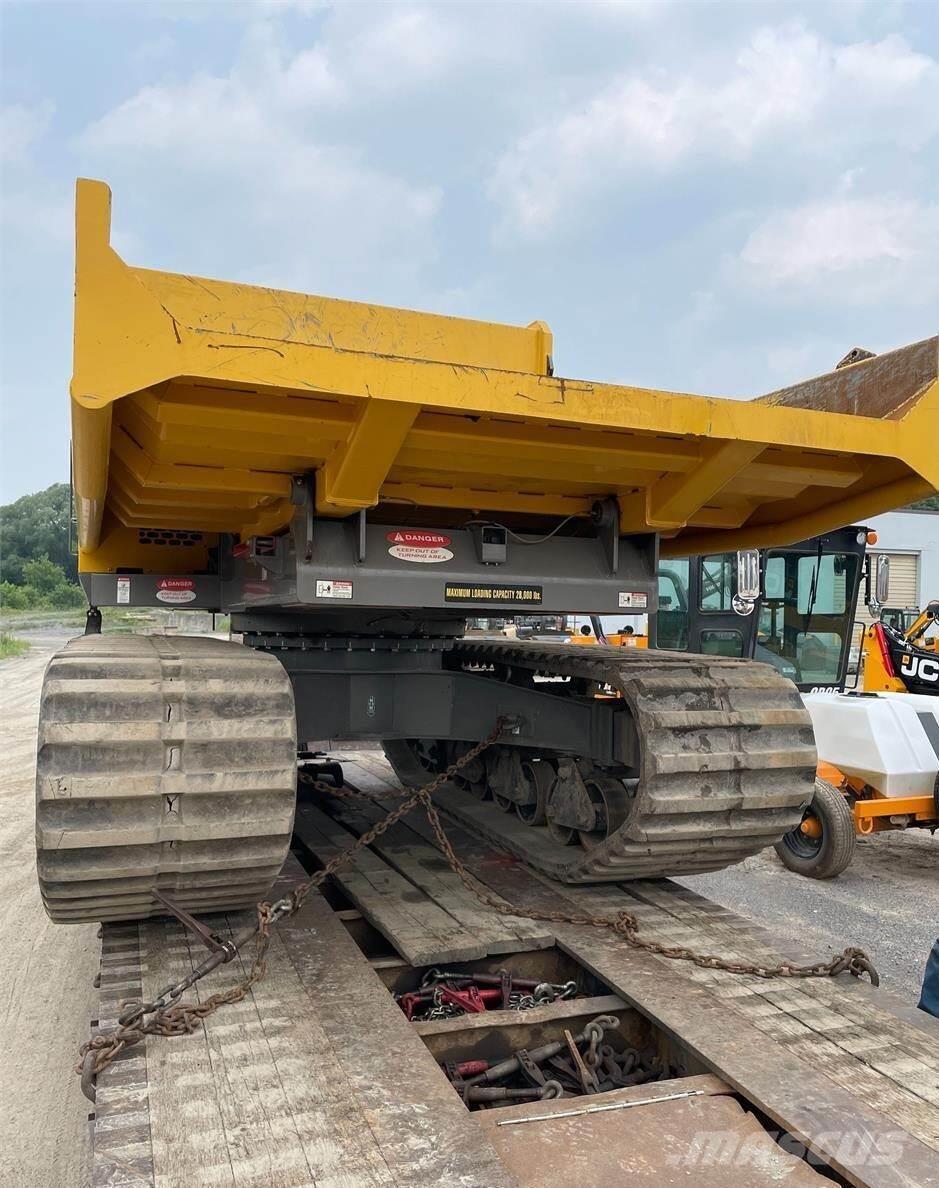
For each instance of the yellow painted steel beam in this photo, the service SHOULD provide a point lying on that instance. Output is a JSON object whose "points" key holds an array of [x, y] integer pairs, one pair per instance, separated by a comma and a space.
{"points": [[134, 495], [259, 521], [673, 501], [479, 499], [846, 511], [182, 404], [559, 445], [806, 469], [195, 478], [633, 516], [353, 475], [176, 445], [91, 443]]}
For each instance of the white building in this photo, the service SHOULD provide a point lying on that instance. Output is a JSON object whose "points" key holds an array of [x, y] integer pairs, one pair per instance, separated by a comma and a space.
{"points": [[911, 541]]}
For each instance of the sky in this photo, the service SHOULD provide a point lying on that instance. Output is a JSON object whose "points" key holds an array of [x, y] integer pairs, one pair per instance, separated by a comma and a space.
{"points": [[715, 198]]}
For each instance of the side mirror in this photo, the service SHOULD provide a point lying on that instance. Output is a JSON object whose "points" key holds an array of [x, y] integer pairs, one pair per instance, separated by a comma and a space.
{"points": [[883, 578], [748, 574], [748, 581]]}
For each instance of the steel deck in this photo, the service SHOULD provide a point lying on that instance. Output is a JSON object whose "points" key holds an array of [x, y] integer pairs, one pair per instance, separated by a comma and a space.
{"points": [[318, 1079]]}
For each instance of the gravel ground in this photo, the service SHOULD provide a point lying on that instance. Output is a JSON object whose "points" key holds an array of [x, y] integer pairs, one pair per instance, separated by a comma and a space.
{"points": [[887, 902], [47, 969]]}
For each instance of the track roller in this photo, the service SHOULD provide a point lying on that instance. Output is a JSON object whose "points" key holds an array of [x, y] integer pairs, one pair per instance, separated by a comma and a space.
{"points": [[724, 769]]}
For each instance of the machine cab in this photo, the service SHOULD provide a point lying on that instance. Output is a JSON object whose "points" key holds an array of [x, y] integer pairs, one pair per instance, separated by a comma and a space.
{"points": [[802, 620]]}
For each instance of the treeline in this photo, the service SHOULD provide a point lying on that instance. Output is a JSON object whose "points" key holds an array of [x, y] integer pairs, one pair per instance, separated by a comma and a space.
{"points": [[36, 567]]}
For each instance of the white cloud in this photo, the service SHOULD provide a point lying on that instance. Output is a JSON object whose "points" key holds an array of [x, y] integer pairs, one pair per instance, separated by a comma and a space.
{"points": [[31, 207], [20, 127], [39, 213], [860, 248], [312, 206], [786, 86]]}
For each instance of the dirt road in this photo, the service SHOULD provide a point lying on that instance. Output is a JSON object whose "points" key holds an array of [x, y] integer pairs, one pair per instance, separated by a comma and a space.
{"points": [[47, 969]]}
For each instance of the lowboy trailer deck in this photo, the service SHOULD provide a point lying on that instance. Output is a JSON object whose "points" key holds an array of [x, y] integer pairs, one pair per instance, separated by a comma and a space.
{"points": [[318, 1077]]}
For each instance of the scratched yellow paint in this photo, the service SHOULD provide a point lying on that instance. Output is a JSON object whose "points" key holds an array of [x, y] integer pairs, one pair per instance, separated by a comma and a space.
{"points": [[195, 401]]}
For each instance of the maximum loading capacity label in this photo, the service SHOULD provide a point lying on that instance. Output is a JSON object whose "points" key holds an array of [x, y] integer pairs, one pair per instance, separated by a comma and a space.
{"points": [[517, 595]]}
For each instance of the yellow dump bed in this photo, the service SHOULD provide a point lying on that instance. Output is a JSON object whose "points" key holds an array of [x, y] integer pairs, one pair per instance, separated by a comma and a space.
{"points": [[195, 401]]}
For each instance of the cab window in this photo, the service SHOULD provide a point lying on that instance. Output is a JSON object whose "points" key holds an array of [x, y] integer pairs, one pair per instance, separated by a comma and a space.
{"points": [[671, 623], [717, 582], [722, 643], [805, 620]]}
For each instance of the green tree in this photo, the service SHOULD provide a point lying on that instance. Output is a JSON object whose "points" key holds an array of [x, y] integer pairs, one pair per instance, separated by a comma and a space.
{"points": [[33, 527], [44, 576], [15, 597]]}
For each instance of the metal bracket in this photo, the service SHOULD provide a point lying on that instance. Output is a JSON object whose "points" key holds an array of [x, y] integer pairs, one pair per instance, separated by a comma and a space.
{"points": [[302, 495], [270, 552], [605, 515], [568, 803], [210, 939], [360, 541]]}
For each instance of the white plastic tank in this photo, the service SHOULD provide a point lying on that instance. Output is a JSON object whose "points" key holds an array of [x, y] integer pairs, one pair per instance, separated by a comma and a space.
{"points": [[888, 740]]}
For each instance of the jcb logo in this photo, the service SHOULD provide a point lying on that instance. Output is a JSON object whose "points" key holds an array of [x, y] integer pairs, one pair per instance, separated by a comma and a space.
{"points": [[923, 667]]}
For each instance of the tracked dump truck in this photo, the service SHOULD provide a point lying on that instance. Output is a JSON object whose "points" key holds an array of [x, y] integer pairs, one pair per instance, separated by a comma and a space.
{"points": [[353, 482]]}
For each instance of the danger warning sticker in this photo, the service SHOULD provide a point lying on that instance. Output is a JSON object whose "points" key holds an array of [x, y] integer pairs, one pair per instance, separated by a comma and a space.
{"points": [[633, 601], [419, 547], [176, 590], [330, 589]]}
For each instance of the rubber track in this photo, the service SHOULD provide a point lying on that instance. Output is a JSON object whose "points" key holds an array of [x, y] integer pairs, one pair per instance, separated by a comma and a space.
{"points": [[163, 762], [727, 762]]}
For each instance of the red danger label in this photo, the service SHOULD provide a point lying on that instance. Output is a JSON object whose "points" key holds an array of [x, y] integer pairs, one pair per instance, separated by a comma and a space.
{"points": [[176, 584], [419, 540]]}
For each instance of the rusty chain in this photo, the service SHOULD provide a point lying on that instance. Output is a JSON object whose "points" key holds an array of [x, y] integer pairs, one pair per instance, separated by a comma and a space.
{"points": [[167, 1016]]}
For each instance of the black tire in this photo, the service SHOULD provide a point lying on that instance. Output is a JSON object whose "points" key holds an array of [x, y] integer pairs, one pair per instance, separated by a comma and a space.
{"points": [[831, 853]]}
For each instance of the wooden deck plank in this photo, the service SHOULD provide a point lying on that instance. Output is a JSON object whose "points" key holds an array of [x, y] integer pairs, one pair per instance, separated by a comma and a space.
{"points": [[906, 1056], [291, 1088], [187, 1115], [418, 929], [425, 868], [424, 1132], [325, 1121], [819, 1002], [897, 1065]]}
